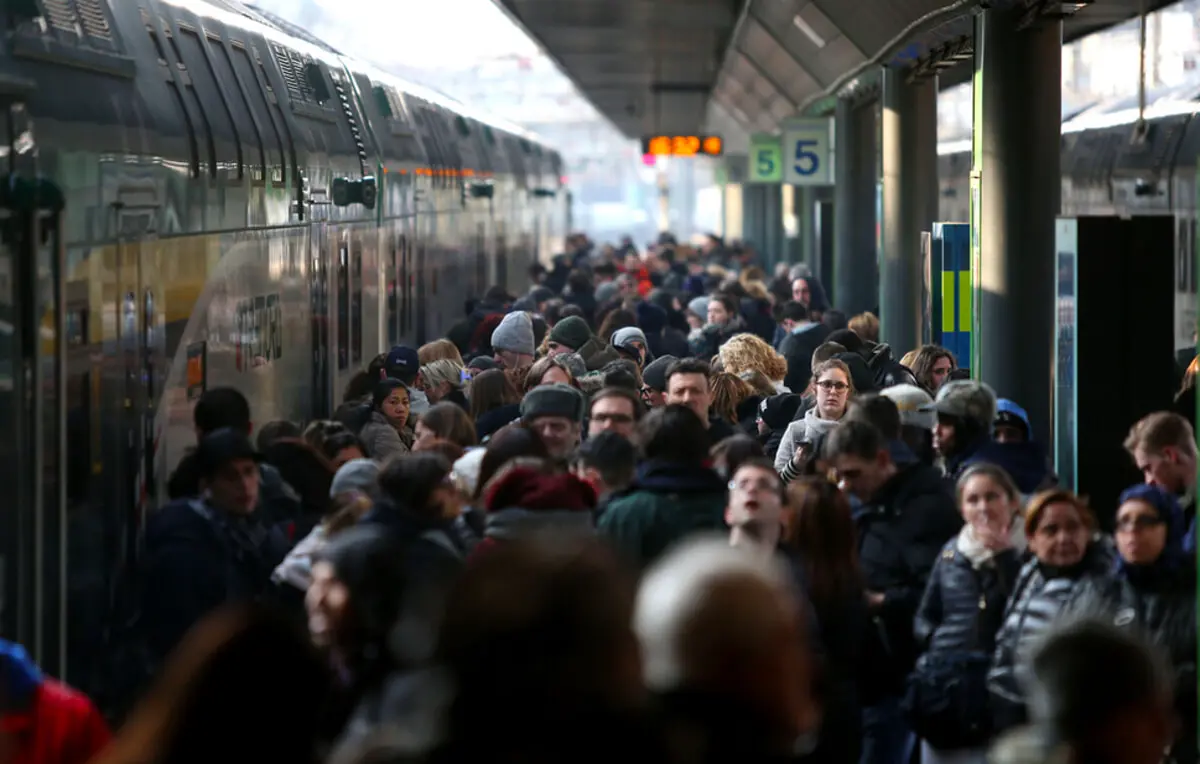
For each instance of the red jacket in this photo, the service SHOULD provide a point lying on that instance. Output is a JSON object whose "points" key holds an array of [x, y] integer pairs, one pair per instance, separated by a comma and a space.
{"points": [[60, 726]]}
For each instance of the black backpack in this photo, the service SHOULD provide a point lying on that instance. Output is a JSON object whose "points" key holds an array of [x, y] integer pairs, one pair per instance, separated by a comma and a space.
{"points": [[354, 415]]}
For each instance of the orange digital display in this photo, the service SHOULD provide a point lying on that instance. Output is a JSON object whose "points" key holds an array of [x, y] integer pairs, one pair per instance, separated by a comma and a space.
{"points": [[682, 145]]}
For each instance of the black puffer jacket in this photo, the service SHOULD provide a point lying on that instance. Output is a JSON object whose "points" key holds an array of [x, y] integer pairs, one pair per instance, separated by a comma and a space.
{"points": [[1163, 607], [963, 605], [900, 532], [1037, 599]]}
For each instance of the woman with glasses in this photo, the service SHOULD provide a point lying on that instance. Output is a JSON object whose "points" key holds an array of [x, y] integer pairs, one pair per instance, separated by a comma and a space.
{"points": [[799, 446], [1153, 590]]}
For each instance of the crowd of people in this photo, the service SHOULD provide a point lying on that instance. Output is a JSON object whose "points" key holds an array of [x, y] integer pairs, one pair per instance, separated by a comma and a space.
{"points": [[664, 505]]}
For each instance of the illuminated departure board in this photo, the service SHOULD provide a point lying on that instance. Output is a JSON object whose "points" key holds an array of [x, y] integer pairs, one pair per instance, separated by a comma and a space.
{"points": [[683, 145]]}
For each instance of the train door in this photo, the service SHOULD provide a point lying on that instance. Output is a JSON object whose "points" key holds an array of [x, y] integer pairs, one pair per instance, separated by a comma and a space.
{"points": [[32, 404]]}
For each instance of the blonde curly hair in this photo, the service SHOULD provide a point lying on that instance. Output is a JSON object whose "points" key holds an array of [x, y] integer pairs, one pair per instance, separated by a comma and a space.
{"points": [[748, 352]]}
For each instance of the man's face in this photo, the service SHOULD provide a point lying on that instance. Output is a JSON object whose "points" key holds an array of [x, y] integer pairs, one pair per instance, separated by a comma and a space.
{"points": [[612, 413], [754, 498], [717, 314], [690, 390], [862, 477], [801, 293], [1168, 470], [233, 487], [508, 359], [559, 434]]}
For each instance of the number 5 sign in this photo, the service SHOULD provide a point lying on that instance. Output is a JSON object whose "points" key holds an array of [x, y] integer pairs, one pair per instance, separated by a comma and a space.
{"points": [[808, 152]]}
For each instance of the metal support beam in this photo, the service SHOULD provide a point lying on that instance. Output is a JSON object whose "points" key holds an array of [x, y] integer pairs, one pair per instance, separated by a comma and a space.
{"points": [[910, 202], [856, 277], [1018, 102]]}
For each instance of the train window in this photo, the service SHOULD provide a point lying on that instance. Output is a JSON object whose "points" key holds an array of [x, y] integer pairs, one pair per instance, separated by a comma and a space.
{"points": [[199, 82], [393, 295], [177, 96], [218, 80], [257, 103], [285, 130], [489, 136], [356, 305], [343, 307], [316, 81], [250, 122], [463, 128]]}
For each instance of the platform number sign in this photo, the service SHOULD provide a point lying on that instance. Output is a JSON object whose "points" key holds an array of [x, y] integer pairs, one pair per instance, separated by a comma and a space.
{"points": [[766, 159], [808, 152]]}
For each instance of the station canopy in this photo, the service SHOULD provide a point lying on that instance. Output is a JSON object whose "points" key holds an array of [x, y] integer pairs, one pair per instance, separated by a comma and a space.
{"points": [[664, 66]]}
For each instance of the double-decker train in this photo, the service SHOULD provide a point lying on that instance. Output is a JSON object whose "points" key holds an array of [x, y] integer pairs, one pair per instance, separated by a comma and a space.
{"points": [[1111, 166], [199, 194]]}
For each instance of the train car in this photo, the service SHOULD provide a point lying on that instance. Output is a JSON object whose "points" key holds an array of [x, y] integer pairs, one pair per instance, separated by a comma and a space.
{"points": [[1108, 168], [200, 195]]}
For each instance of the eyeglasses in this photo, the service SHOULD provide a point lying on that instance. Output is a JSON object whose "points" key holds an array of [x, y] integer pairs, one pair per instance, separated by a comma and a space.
{"points": [[829, 384], [745, 486], [1139, 523]]}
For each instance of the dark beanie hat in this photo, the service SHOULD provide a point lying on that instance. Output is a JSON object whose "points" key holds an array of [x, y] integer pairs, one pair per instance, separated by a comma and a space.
{"points": [[651, 318], [846, 339], [779, 410], [553, 400], [860, 373], [654, 376], [572, 332]]}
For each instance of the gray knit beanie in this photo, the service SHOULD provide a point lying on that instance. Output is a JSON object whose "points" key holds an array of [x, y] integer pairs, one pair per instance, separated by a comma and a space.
{"points": [[514, 334]]}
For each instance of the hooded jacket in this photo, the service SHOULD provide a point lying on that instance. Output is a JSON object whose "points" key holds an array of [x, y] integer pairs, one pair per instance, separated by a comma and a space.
{"points": [[50, 722]]}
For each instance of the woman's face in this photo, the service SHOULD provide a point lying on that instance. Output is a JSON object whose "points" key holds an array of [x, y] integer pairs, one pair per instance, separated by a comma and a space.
{"points": [[395, 407], [941, 369], [328, 605], [347, 455], [555, 376], [833, 393], [1141, 533], [424, 435], [989, 510], [1061, 536], [436, 392]]}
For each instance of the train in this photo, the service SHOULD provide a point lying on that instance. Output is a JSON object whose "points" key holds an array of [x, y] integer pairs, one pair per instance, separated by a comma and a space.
{"points": [[200, 194], [1115, 164]]}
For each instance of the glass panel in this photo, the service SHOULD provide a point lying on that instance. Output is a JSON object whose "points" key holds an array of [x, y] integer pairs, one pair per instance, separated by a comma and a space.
{"points": [[1067, 246]]}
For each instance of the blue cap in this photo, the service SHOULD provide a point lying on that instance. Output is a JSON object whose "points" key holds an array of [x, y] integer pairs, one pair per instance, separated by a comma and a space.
{"points": [[402, 362], [1009, 410]]}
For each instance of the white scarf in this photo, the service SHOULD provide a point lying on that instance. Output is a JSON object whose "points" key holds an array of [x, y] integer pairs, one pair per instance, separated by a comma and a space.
{"points": [[969, 546]]}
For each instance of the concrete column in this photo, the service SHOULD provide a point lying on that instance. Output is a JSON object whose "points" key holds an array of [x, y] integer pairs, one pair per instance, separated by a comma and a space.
{"points": [[1016, 196], [910, 196], [753, 213], [855, 278], [771, 245]]}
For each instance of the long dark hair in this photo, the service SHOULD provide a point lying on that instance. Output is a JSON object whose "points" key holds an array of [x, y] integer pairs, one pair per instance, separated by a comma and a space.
{"points": [[821, 532]]}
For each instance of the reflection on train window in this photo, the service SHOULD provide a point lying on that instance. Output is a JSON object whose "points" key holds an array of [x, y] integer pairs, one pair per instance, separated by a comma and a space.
{"points": [[481, 284], [356, 307], [393, 293], [403, 277], [343, 306]]}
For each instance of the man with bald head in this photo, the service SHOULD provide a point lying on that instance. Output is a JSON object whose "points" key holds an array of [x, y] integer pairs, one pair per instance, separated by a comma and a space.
{"points": [[724, 645]]}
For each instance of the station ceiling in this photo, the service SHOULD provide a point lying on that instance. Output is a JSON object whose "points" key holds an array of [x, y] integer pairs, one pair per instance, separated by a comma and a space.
{"points": [[660, 66]]}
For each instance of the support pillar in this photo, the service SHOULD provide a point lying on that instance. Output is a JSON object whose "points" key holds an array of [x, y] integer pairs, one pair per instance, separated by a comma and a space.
{"points": [[910, 202], [855, 278], [762, 216], [1015, 200]]}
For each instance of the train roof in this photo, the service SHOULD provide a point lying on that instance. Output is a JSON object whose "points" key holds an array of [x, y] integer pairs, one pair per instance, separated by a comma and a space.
{"points": [[1165, 102], [249, 18]]}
